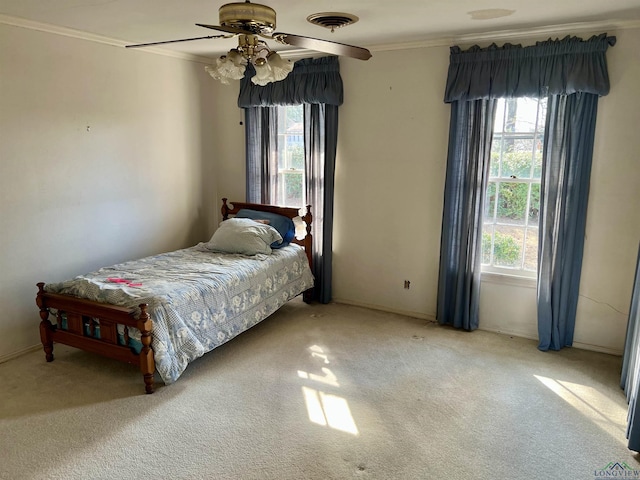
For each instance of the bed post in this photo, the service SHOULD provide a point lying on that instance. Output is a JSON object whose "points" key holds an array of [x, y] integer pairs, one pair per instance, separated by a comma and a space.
{"points": [[225, 209], [147, 363], [307, 296], [45, 325], [308, 240]]}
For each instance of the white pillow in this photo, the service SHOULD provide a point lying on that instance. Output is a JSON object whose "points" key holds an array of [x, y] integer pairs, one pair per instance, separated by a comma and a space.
{"points": [[243, 235]]}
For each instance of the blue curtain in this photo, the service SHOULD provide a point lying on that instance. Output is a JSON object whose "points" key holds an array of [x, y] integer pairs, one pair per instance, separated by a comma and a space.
{"points": [[566, 170], [551, 67], [312, 80], [470, 132], [573, 73], [320, 141], [315, 83], [630, 378]]}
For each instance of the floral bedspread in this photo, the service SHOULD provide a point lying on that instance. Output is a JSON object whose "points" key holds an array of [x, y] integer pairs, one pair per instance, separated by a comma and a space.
{"points": [[198, 299]]}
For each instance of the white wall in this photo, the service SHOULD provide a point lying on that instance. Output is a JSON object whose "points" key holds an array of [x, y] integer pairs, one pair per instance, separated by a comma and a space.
{"points": [[389, 177], [228, 131], [106, 154], [389, 184]]}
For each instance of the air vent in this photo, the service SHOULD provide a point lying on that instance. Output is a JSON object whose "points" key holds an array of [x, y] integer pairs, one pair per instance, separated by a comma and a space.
{"points": [[332, 20]]}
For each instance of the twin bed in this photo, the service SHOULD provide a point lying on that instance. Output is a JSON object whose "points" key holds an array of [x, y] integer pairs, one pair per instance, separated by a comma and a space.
{"points": [[164, 311]]}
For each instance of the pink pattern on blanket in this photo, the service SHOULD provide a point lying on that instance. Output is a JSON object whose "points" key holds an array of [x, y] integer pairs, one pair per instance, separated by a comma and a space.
{"points": [[122, 280]]}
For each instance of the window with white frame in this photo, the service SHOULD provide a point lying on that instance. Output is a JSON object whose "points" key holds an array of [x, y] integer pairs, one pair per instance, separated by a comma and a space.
{"points": [[512, 203], [291, 177]]}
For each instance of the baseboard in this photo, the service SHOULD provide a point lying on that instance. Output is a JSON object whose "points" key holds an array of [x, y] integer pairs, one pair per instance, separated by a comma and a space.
{"points": [[581, 346], [406, 313], [432, 318], [19, 353], [598, 348]]}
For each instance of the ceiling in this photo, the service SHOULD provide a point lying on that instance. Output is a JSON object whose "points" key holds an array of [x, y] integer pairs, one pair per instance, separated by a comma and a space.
{"points": [[382, 23]]}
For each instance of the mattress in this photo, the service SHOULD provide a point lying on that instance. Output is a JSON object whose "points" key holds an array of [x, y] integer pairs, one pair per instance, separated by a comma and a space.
{"points": [[197, 299]]}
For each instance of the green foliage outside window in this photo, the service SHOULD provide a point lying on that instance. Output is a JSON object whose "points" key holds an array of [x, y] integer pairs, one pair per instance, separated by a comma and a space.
{"points": [[506, 251], [512, 200], [297, 156], [516, 163], [293, 189]]}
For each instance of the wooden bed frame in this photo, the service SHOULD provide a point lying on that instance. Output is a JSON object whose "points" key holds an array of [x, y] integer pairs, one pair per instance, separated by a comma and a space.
{"points": [[82, 314]]}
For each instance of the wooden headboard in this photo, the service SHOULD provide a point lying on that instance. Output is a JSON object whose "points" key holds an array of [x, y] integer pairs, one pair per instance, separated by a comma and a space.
{"points": [[290, 212]]}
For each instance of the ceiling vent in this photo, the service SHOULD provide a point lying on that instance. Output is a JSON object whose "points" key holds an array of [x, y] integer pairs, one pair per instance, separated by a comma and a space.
{"points": [[332, 20]]}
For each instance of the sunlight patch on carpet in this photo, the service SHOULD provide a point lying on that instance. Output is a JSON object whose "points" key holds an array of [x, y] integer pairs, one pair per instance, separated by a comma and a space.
{"points": [[598, 408], [326, 409], [329, 410], [328, 377]]}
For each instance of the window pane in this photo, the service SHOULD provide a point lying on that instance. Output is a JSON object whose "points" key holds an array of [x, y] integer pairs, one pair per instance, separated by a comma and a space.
{"points": [[496, 148], [291, 156], [498, 124], [542, 116], [296, 153], [510, 114], [281, 150], [490, 203], [294, 118], [526, 113], [534, 207], [517, 157], [537, 160], [487, 239], [507, 246], [293, 189], [512, 202], [531, 250]]}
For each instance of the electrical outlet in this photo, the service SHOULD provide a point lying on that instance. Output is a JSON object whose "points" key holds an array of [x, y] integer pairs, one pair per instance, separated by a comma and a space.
{"points": [[407, 284]]}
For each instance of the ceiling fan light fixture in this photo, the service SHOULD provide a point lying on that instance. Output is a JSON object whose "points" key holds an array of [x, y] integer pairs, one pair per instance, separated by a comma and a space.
{"points": [[228, 67], [281, 67], [271, 68]]}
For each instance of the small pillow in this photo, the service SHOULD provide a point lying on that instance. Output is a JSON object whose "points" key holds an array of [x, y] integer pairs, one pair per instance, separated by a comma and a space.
{"points": [[243, 235], [284, 225]]}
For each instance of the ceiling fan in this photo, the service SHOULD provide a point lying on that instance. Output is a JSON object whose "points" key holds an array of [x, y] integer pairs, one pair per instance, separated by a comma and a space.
{"points": [[249, 21]]}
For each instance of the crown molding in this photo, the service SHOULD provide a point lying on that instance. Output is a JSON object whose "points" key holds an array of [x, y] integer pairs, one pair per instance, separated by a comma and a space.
{"points": [[513, 34], [69, 32], [444, 41]]}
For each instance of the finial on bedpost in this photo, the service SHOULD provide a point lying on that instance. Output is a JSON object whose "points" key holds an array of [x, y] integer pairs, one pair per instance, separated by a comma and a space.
{"points": [[308, 239], [225, 209], [308, 218]]}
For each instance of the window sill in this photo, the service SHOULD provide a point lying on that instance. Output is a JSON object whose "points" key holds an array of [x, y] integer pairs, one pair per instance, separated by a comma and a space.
{"points": [[505, 279]]}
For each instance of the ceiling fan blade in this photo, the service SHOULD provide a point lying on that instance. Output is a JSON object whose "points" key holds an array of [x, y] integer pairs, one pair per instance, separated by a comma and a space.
{"points": [[175, 41], [323, 46], [232, 30]]}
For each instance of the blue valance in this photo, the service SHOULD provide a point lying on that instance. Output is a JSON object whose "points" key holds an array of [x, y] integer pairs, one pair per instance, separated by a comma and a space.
{"points": [[313, 80], [551, 67]]}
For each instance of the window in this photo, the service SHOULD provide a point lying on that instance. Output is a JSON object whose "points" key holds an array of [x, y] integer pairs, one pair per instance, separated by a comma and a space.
{"points": [[512, 203], [291, 181]]}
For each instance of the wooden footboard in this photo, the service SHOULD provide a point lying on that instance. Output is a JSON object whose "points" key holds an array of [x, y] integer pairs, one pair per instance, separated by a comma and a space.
{"points": [[84, 318]]}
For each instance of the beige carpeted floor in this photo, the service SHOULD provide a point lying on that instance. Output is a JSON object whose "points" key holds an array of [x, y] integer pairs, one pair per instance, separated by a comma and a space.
{"points": [[321, 392]]}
